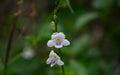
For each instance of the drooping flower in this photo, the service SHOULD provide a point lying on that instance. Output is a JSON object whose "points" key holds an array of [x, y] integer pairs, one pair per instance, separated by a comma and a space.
{"points": [[54, 59], [28, 53], [58, 40]]}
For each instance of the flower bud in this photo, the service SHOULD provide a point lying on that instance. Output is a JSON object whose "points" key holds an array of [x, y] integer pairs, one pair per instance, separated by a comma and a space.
{"points": [[53, 26], [55, 17]]}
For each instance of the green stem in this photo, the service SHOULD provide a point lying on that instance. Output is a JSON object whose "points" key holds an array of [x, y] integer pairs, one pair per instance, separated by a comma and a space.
{"points": [[8, 49], [10, 62], [63, 71], [57, 5], [55, 20]]}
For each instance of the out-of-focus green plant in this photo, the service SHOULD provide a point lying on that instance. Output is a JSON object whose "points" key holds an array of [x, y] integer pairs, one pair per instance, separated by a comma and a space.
{"points": [[93, 31]]}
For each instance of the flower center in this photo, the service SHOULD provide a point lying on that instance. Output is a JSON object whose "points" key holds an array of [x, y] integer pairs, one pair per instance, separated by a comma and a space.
{"points": [[53, 62], [54, 58], [58, 42]]}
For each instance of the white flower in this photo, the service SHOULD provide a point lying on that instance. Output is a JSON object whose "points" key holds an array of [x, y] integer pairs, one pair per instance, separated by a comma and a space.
{"points": [[58, 40], [54, 59], [28, 53]]}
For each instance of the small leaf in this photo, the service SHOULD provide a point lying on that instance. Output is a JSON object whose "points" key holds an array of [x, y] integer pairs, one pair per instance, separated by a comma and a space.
{"points": [[69, 5], [103, 4], [63, 3], [84, 19], [32, 40], [80, 44], [78, 68]]}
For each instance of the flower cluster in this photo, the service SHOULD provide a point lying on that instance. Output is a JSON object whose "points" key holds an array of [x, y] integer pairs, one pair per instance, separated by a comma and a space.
{"points": [[58, 40]]}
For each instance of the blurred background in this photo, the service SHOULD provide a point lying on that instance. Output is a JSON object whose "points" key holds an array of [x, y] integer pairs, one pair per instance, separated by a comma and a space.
{"points": [[92, 26]]}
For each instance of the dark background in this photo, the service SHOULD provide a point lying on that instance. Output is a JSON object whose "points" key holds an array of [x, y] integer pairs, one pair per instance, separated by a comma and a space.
{"points": [[92, 26]]}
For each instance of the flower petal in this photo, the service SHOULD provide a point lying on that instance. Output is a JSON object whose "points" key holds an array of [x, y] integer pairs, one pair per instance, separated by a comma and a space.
{"points": [[58, 46], [52, 65], [62, 35], [54, 35], [58, 35], [66, 42], [59, 62], [50, 43], [53, 62], [52, 53], [48, 61]]}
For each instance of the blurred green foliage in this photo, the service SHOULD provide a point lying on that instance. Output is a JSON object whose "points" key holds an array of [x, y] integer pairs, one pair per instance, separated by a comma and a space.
{"points": [[92, 26]]}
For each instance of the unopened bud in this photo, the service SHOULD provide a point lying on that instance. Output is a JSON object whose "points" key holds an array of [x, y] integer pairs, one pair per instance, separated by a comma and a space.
{"points": [[53, 26], [55, 17]]}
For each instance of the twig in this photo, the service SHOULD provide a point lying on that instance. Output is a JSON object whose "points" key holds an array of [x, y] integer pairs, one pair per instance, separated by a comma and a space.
{"points": [[8, 50], [9, 47]]}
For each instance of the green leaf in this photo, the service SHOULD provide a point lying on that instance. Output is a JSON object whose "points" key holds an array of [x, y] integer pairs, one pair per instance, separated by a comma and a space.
{"points": [[1, 68], [84, 19], [93, 52], [32, 40], [103, 4], [69, 5], [80, 44], [44, 30], [78, 68], [63, 3]]}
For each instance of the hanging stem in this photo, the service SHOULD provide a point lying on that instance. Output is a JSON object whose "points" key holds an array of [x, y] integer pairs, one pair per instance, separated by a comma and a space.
{"points": [[55, 20], [57, 5], [63, 71]]}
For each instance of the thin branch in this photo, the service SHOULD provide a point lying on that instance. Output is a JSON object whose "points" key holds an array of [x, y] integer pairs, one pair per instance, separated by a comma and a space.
{"points": [[9, 48]]}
